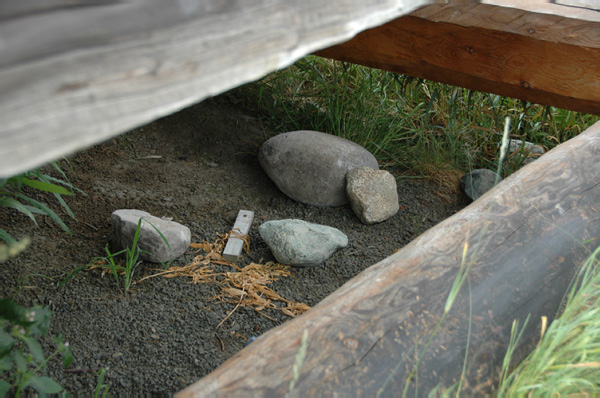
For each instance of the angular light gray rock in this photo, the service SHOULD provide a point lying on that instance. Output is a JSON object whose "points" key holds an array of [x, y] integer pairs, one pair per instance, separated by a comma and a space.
{"points": [[311, 167], [516, 145], [300, 243], [373, 194], [125, 223], [477, 182], [526, 152]]}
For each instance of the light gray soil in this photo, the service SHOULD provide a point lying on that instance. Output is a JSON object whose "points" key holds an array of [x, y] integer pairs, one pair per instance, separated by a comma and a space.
{"points": [[162, 335]]}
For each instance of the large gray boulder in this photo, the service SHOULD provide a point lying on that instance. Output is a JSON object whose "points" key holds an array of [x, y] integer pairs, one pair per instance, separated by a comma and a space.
{"points": [[477, 182], [301, 244], [311, 167], [125, 222], [373, 194]]}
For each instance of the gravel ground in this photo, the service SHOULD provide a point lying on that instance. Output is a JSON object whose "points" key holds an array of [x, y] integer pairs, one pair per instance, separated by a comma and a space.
{"points": [[200, 167]]}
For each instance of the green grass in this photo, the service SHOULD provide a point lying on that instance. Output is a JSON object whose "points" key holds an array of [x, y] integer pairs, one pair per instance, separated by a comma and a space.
{"points": [[567, 358], [123, 274], [109, 263], [419, 126]]}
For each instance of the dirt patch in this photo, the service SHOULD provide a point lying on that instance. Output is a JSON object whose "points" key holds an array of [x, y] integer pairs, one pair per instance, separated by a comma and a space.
{"points": [[200, 167]]}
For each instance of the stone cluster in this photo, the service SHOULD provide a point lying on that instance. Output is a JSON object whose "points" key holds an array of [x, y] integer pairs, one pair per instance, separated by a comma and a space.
{"points": [[324, 170], [310, 167]]}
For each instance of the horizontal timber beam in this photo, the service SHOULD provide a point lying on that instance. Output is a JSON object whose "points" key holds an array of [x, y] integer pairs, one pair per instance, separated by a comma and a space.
{"points": [[536, 56], [76, 73], [526, 239]]}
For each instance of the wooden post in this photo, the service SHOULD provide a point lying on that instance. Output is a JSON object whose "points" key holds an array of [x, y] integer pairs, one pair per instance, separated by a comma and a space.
{"points": [[524, 240]]}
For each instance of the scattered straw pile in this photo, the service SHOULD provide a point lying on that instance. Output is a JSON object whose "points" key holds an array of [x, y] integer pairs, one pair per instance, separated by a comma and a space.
{"points": [[246, 287]]}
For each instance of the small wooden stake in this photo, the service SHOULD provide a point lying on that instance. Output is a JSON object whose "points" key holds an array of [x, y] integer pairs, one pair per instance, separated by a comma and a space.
{"points": [[234, 246]]}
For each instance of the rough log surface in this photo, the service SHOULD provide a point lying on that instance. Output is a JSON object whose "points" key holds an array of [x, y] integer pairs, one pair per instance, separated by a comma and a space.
{"points": [[532, 55], [526, 238], [76, 72]]}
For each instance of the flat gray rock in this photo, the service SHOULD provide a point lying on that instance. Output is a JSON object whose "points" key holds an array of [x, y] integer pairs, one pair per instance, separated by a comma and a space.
{"points": [[125, 223], [373, 194], [301, 244], [477, 182], [310, 167]]}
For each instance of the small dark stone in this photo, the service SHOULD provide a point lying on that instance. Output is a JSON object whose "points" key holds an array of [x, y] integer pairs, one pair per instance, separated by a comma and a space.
{"points": [[477, 182]]}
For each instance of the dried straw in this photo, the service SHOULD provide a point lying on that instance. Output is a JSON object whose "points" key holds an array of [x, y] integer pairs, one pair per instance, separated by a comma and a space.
{"points": [[245, 287]]}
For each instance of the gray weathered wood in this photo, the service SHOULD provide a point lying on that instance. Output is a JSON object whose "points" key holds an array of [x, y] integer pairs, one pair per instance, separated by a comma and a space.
{"points": [[526, 238], [235, 244], [74, 73]]}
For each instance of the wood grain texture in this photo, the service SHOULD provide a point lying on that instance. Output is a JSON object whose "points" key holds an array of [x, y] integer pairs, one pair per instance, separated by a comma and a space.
{"points": [[542, 58], [555, 7], [74, 73], [526, 238]]}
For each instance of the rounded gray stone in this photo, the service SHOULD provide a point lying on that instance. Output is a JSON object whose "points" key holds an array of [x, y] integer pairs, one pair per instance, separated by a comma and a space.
{"points": [[300, 243], [477, 182], [310, 167], [373, 194]]}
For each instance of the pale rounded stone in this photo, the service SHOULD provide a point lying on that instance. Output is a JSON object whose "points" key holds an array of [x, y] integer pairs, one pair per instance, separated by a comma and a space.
{"points": [[373, 194], [311, 167], [154, 249], [300, 243]]}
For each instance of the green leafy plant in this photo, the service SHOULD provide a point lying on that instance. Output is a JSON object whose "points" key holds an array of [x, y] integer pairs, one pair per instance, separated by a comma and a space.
{"points": [[12, 195], [22, 360], [109, 262], [101, 389]]}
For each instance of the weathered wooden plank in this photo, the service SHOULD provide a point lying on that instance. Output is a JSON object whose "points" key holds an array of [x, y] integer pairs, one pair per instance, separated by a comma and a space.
{"points": [[235, 243], [526, 238], [556, 7], [74, 73], [591, 4], [536, 56]]}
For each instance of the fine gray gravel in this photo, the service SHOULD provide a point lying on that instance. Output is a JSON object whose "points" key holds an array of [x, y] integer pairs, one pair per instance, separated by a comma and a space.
{"points": [[163, 334]]}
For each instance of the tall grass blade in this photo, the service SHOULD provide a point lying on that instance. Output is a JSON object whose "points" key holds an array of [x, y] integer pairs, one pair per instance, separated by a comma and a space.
{"points": [[299, 361], [503, 149], [6, 201], [46, 187], [6, 237], [45, 210]]}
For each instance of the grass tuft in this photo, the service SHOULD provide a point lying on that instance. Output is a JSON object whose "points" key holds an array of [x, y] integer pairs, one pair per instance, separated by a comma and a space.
{"points": [[567, 359], [408, 123]]}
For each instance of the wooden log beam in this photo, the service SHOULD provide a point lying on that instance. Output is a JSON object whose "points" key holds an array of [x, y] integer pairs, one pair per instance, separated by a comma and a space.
{"points": [[74, 73], [526, 237], [534, 55]]}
